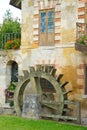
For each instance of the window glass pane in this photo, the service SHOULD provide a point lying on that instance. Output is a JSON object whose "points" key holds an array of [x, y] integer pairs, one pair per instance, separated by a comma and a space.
{"points": [[50, 21], [43, 22], [14, 72]]}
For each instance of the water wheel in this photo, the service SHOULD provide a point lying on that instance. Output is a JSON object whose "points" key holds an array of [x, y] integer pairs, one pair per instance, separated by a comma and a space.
{"points": [[34, 75]]}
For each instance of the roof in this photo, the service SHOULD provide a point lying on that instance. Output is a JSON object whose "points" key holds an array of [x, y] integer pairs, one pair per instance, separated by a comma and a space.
{"points": [[15, 3]]}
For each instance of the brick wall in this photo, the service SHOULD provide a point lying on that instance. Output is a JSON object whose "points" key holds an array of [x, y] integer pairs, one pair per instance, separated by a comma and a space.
{"points": [[81, 10]]}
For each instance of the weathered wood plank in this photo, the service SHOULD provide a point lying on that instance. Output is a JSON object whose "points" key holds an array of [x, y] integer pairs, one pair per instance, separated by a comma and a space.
{"points": [[59, 117]]}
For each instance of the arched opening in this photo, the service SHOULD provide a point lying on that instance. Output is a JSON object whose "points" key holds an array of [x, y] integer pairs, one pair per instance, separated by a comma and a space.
{"points": [[12, 76]]}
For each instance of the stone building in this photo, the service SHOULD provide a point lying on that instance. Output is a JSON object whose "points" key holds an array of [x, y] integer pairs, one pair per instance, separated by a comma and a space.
{"points": [[48, 37]]}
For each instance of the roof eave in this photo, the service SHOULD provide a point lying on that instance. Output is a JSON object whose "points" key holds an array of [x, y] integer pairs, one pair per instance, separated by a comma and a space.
{"points": [[15, 3]]}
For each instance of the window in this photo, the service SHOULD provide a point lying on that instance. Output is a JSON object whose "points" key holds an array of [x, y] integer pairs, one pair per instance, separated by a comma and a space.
{"points": [[43, 22], [14, 72], [47, 27], [12, 76]]}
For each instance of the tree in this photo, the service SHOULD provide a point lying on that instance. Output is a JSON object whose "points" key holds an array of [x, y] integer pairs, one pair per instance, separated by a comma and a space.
{"points": [[9, 26]]}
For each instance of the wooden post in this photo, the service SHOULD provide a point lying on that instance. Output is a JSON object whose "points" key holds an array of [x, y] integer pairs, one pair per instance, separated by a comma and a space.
{"points": [[78, 112]]}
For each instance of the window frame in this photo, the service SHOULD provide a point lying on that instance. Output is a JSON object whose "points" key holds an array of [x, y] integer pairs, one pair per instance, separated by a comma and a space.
{"points": [[47, 33]]}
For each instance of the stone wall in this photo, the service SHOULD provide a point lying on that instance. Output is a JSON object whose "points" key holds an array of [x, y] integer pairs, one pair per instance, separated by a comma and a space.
{"points": [[65, 20], [62, 55]]}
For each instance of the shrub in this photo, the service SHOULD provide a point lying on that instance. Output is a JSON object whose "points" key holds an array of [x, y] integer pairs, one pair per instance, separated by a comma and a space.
{"points": [[12, 44], [11, 87], [82, 40], [11, 104], [9, 92]]}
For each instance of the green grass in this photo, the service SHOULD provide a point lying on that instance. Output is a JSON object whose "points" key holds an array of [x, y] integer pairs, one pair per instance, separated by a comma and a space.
{"points": [[17, 123]]}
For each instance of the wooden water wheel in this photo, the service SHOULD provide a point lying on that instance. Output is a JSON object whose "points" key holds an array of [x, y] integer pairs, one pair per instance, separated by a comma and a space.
{"points": [[34, 75]]}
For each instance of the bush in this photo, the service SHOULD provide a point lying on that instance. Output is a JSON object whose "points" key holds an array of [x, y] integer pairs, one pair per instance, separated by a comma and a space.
{"points": [[82, 40], [12, 44], [11, 86], [9, 92], [11, 104]]}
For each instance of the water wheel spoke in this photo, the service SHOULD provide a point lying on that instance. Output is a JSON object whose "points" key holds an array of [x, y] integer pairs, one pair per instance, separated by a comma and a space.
{"points": [[39, 68], [63, 84], [26, 73], [59, 77], [21, 78], [32, 69], [69, 91], [52, 104], [53, 71]]}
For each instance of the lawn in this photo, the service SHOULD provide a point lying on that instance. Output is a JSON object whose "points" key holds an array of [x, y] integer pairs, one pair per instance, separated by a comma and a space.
{"points": [[17, 123]]}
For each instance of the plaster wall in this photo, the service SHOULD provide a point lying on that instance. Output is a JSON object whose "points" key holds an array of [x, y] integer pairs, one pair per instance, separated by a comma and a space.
{"points": [[27, 23]]}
